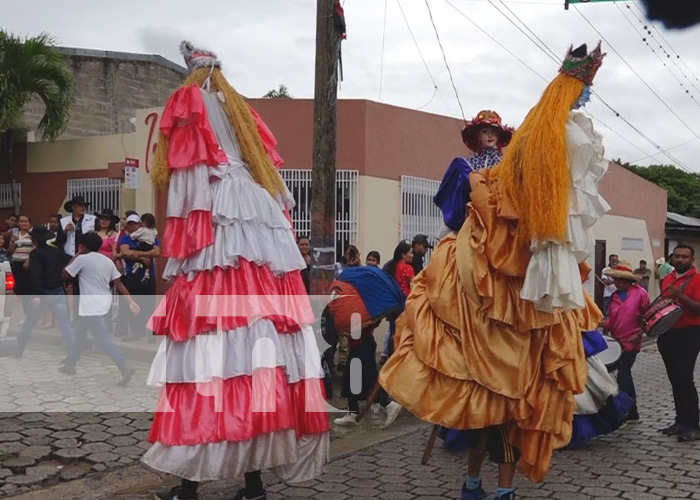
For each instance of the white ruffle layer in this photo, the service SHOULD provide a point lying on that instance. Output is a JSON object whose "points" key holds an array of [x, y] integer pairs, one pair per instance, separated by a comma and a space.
{"points": [[552, 279], [599, 387], [237, 352], [248, 223], [292, 460]]}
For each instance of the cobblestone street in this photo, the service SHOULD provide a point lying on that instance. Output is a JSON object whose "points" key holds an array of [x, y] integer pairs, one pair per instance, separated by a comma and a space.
{"points": [[48, 450]]}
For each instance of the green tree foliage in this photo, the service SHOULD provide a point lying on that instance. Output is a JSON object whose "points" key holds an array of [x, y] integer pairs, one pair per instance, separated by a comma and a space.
{"points": [[683, 187], [32, 68], [281, 93]]}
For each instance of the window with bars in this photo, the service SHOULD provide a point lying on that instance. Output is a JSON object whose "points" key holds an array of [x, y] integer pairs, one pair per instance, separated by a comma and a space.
{"points": [[100, 192], [419, 215], [298, 182]]}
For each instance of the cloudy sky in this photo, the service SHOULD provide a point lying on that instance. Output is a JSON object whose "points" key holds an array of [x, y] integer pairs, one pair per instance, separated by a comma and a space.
{"points": [[265, 43]]}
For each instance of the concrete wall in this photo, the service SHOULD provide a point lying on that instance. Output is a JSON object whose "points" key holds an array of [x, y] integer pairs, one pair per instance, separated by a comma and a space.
{"points": [[632, 196], [613, 228], [379, 216], [111, 86]]}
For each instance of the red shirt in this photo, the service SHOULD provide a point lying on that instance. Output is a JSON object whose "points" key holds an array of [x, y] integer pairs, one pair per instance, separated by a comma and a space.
{"points": [[689, 318], [404, 275]]}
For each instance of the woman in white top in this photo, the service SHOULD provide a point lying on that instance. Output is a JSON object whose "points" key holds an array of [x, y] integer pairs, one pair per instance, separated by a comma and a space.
{"points": [[20, 247]]}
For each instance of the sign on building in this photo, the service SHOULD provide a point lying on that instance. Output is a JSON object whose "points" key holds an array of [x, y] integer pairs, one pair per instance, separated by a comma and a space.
{"points": [[131, 173]]}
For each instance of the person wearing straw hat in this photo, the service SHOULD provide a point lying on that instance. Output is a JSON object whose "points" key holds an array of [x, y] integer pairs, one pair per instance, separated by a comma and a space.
{"points": [[625, 308]]}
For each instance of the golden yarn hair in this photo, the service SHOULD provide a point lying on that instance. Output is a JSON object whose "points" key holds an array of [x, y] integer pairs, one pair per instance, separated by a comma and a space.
{"points": [[252, 150], [533, 173]]}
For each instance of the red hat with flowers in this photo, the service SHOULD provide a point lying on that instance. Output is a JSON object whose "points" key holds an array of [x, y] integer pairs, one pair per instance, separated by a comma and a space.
{"points": [[485, 118]]}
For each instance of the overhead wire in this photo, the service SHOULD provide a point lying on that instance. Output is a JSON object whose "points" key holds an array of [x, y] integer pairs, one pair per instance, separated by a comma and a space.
{"points": [[381, 67], [638, 75], [552, 55], [658, 56], [667, 149], [444, 58], [420, 54], [669, 45]]}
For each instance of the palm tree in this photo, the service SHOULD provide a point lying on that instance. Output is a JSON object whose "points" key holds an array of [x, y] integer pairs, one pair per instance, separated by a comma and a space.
{"points": [[31, 69]]}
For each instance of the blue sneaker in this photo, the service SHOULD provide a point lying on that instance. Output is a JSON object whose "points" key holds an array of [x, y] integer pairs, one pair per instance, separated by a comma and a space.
{"points": [[477, 493]]}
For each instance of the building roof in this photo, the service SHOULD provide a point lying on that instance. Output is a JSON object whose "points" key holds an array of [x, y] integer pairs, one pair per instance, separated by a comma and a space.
{"points": [[682, 221], [123, 56]]}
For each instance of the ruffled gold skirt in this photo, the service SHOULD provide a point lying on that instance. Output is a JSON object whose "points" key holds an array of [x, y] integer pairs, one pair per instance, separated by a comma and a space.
{"points": [[470, 353]]}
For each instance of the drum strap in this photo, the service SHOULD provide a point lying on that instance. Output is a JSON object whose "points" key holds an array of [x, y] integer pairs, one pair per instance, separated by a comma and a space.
{"points": [[683, 286]]}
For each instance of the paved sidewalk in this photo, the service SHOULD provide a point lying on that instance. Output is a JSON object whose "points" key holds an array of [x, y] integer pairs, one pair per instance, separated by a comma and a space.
{"points": [[636, 462]]}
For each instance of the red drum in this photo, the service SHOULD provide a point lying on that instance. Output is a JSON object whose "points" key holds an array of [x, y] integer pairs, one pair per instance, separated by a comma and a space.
{"points": [[660, 316]]}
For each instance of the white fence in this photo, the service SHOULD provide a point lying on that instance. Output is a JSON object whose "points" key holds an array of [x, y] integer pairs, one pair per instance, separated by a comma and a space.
{"points": [[100, 192], [346, 199], [419, 215], [6, 195]]}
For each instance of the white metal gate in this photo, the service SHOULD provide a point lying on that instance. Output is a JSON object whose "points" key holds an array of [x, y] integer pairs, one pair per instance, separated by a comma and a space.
{"points": [[419, 215], [346, 199], [100, 192], [6, 195]]}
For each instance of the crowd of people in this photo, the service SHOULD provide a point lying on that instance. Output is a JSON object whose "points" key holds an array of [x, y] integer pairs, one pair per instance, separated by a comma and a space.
{"points": [[67, 270]]}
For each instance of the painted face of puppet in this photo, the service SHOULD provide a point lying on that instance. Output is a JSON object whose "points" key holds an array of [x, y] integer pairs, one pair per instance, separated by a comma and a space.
{"points": [[584, 97], [488, 137]]}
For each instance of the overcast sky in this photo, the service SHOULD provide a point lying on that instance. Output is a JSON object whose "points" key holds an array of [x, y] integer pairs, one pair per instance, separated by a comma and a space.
{"points": [[264, 43]]}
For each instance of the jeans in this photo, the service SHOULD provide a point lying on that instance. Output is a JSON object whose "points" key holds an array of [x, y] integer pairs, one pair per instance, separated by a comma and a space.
{"points": [[388, 349], [56, 301], [624, 375], [606, 304], [679, 349], [98, 327]]}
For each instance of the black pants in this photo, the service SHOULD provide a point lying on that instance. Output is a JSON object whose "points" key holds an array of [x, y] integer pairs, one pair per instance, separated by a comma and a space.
{"points": [[143, 294], [679, 349]]}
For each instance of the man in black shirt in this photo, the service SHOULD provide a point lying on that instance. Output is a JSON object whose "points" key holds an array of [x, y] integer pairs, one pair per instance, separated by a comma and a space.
{"points": [[45, 266], [420, 248]]}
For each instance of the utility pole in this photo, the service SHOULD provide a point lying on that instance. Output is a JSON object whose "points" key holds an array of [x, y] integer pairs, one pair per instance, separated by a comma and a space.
{"points": [[328, 38]]}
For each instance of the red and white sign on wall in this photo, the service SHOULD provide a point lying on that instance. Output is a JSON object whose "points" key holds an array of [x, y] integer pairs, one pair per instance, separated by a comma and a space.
{"points": [[131, 173]]}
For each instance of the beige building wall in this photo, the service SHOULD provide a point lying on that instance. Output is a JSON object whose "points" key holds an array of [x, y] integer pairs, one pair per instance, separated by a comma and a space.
{"points": [[613, 229], [379, 216]]}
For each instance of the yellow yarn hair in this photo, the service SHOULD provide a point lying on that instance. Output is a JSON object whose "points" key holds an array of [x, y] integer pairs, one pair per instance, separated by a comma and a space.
{"points": [[252, 149], [534, 173]]}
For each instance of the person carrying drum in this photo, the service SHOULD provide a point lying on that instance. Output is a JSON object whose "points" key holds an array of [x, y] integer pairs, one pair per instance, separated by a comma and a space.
{"points": [[679, 346], [625, 308]]}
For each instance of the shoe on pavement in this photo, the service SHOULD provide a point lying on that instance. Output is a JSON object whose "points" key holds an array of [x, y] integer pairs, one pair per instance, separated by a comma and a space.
{"points": [[241, 496], [673, 430], [127, 373], [689, 435], [350, 418], [507, 496], [392, 411], [173, 494], [477, 493], [67, 370], [632, 416]]}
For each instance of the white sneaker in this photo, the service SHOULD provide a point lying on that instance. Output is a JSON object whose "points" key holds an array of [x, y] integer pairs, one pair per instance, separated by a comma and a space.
{"points": [[347, 419], [392, 411]]}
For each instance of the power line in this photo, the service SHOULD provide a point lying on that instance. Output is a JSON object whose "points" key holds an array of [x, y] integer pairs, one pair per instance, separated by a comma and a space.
{"points": [[667, 149], [444, 58], [670, 47], [416, 44], [381, 68], [494, 40], [638, 75], [550, 53], [642, 134], [661, 59]]}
